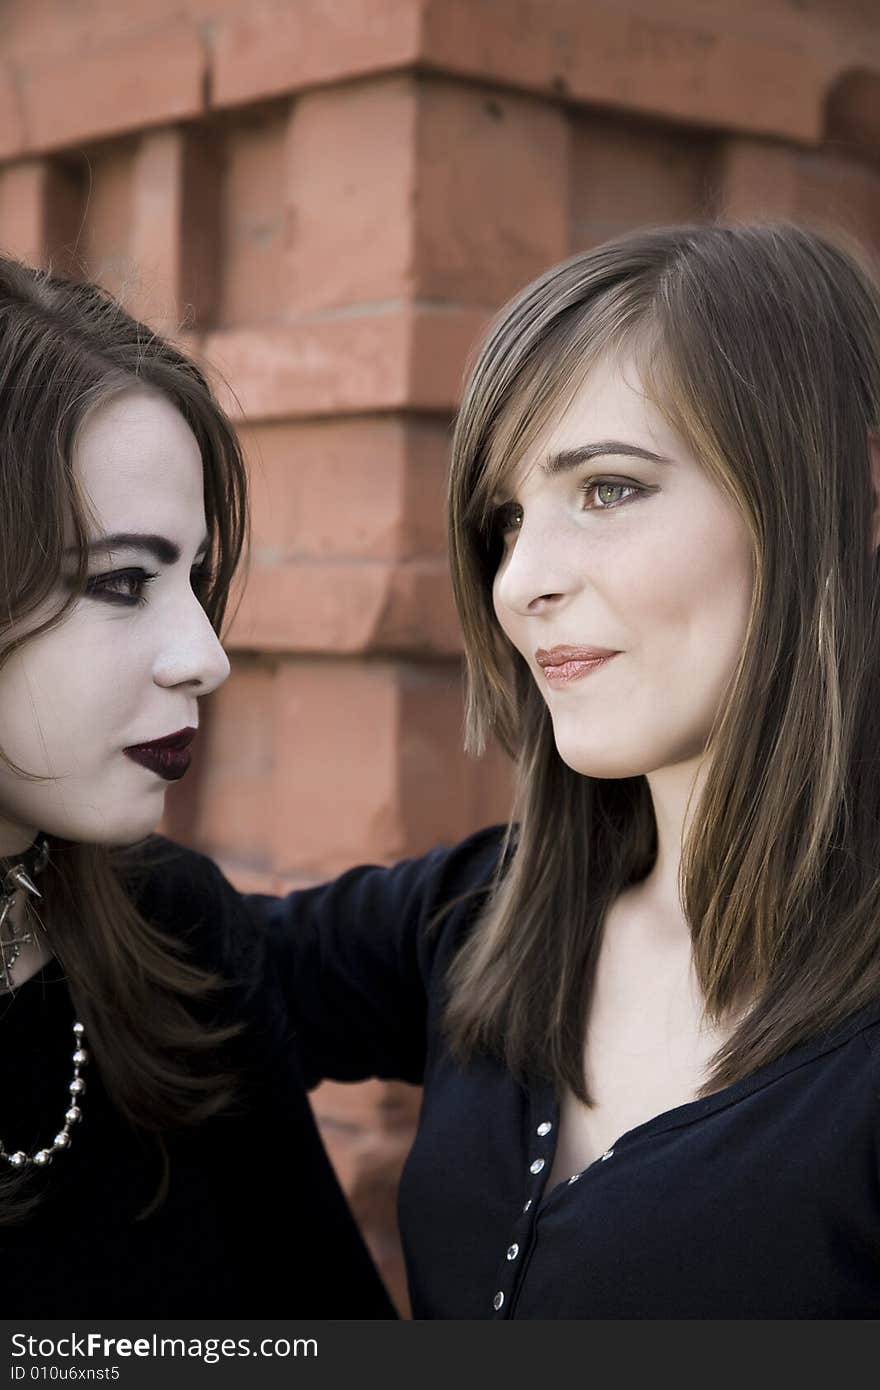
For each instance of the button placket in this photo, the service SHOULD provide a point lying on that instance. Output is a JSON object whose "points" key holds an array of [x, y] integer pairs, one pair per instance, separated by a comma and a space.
{"points": [[536, 1168]]}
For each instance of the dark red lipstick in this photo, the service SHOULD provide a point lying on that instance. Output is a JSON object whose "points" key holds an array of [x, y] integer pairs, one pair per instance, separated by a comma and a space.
{"points": [[168, 757]]}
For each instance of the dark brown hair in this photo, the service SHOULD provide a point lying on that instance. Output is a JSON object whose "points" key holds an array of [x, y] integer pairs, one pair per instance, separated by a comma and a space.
{"points": [[66, 347], [761, 345]]}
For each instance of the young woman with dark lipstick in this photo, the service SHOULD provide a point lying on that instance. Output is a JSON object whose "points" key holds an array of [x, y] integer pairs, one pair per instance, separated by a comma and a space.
{"points": [[646, 1015], [154, 1130]]}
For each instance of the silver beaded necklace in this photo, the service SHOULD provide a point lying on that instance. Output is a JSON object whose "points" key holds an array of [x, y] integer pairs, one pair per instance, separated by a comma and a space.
{"points": [[20, 877], [43, 1157]]}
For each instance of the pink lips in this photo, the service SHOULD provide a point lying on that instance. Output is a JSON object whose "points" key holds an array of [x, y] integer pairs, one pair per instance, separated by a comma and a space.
{"points": [[168, 757], [561, 665]]}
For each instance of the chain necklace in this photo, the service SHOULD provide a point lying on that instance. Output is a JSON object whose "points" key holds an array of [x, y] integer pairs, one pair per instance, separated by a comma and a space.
{"points": [[20, 877], [43, 1157]]}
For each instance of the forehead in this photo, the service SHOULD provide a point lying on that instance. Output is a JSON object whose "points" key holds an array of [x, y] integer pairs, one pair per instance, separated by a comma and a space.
{"points": [[138, 460], [610, 402]]}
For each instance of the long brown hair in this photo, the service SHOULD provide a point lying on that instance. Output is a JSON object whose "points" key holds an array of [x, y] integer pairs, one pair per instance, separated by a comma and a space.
{"points": [[66, 347], [761, 345]]}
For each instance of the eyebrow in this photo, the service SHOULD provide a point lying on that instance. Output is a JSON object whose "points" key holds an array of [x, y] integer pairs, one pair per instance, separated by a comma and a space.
{"points": [[566, 459], [160, 547]]}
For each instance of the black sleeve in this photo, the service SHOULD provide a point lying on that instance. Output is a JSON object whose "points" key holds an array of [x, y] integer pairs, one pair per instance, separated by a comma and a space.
{"points": [[186, 895], [354, 958]]}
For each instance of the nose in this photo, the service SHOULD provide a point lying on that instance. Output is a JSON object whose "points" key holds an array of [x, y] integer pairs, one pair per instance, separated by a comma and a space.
{"points": [[537, 570], [191, 654]]}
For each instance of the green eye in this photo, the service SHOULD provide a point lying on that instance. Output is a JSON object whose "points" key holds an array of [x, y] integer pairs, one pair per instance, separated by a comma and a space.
{"points": [[604, 489], [606, 495]]}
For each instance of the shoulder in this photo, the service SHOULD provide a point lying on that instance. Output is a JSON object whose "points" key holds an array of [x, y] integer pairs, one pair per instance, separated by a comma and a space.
{"points": [[186, 895], [868, 1029], [451, 874]]}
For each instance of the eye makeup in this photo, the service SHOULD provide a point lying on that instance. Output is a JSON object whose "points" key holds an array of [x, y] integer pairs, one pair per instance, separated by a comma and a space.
{"points": [[508, 516], [128, 587]]}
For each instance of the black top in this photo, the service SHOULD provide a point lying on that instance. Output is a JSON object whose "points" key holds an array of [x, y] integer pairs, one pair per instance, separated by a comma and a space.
{"points": [[254, 1224], [761, 1201]]}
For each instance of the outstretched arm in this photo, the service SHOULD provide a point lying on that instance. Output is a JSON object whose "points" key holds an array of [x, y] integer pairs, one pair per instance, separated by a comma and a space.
{"points": [[360, 961]]}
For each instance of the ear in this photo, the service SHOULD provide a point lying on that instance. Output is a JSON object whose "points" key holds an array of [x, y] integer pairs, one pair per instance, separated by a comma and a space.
{"points": [[874, 455]]}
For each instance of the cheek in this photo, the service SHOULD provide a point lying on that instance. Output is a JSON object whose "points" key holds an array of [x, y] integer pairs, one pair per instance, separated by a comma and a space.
{"points": [[64, 694], [694, 588]]}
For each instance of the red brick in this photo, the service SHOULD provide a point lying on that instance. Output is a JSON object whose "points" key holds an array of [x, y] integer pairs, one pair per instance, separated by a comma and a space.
{"points": [[305, 767], [335, 733], [841, 190], [393, 1106], [175, 235], [757, 178], [443, 341], [265, 49], [201, 233], [347, 606], [342, 365], [852, 111], [42, 29], [250, 228], [160, 208], [493, 178], [104, 249], [366, 487], [351, 204], [108, 88], [368, 1129], [66, 201], [365, 749], [41, 212], [444, 793], [384, 358], [363, 229], [23, 210], [156, 225], [230, 785], [824, 186], [11, 122], [687, 68], [426, 474], [628, 173]]}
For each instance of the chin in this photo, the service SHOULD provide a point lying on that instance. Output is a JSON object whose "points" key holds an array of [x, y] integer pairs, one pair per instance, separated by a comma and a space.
{"points": [[127, 831], [109, 830], [605, 763], [603, 769], [618, 763]]}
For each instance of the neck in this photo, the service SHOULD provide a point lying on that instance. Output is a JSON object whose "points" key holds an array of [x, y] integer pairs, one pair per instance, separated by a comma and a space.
{"points": [[674, 793], [15, 839]]}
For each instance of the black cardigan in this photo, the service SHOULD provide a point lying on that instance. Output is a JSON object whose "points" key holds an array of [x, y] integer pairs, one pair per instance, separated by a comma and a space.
{"points": [[254, 1224], [761, 1201]]}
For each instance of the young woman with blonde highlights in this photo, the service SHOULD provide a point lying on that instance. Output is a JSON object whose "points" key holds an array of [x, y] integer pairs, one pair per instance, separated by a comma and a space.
{"points": [[646, 1015], [153, 1113]]}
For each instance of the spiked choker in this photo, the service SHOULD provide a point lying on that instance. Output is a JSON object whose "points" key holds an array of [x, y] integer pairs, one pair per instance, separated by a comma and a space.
{"points": [[20, 872]]}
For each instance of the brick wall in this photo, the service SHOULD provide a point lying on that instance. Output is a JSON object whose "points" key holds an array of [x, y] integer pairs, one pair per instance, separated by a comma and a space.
{"points": [[326, 202]]}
